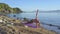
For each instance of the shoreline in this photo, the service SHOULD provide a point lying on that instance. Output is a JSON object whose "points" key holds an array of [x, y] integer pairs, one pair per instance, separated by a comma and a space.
{"points": [[17, 24]]}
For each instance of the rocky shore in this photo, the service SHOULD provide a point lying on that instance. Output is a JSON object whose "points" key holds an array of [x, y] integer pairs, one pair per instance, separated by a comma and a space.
{"points": [[14, 26]]}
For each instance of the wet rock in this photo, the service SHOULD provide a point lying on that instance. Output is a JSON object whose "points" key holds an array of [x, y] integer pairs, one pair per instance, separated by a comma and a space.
{"points": [[59, 28], [3, 32]]}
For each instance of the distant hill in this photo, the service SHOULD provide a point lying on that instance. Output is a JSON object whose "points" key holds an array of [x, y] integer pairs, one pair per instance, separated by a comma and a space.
{"points": [[6, 9], [52, 11]]}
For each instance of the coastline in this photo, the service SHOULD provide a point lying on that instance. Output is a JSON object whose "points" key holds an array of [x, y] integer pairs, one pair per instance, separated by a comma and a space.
{"points": [[18, 27]]}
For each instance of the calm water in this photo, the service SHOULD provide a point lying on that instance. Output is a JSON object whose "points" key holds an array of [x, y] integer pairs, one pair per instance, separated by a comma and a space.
{"points": [[49, 18]]}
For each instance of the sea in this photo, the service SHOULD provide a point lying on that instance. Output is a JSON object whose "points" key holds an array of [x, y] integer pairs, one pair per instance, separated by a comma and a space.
{"points": [[48, 18]]}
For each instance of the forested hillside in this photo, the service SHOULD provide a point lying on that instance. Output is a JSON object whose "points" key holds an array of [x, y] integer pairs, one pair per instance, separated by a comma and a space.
{"points": [[6, 9]]}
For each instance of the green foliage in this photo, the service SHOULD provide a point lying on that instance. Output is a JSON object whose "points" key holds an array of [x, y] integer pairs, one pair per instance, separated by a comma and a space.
{"points": [[17, 10], [4, 8]]}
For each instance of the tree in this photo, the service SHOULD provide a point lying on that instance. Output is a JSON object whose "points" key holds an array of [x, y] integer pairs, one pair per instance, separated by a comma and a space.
{"points": [[17, 10], [5, 8]]}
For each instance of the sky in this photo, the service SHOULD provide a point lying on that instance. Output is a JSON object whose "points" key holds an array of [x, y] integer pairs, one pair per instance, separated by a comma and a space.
{"points": [[31, 5]]}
